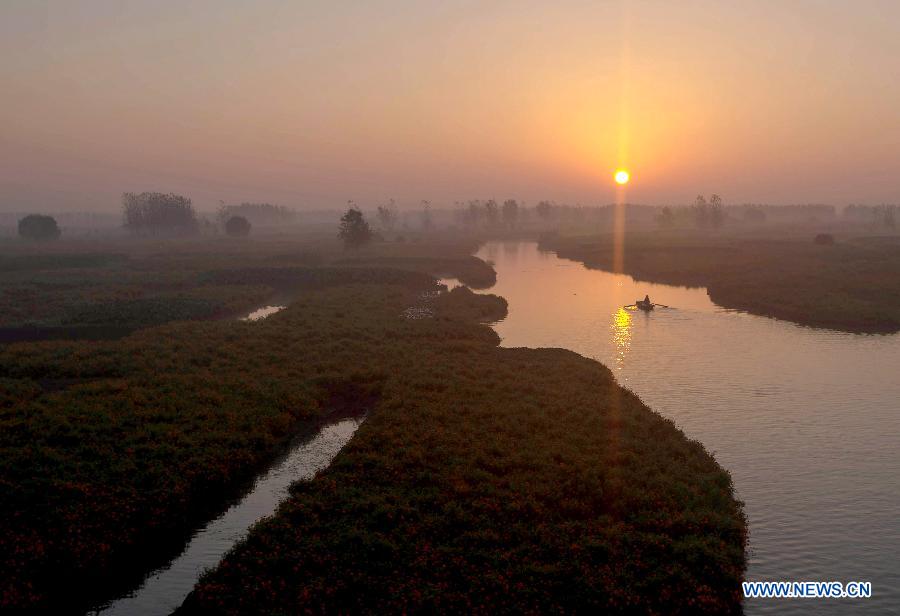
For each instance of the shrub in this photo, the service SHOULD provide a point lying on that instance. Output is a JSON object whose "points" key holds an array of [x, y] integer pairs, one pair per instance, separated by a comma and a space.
{"points": [[38, 227], [237, 226]]}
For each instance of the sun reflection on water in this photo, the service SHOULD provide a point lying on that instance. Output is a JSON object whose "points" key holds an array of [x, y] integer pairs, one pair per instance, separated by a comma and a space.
{"points": [[621, 328]]}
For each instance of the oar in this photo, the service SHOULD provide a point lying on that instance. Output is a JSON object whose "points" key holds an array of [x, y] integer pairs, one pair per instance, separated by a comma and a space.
{"points": [[662, 305]]}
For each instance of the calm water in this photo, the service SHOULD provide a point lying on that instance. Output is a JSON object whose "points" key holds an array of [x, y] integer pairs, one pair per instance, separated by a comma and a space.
{"points": [[807, 421], [165, 589]]}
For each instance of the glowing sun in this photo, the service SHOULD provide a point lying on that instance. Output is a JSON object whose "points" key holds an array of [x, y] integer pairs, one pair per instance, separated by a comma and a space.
{"points": [[622, 177]]}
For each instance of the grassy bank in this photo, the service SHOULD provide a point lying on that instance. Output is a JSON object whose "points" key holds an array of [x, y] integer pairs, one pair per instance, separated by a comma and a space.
{"points": [[107, 288], [850, 286]]}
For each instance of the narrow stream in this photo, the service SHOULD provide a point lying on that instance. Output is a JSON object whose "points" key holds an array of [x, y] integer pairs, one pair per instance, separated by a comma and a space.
{"points": [[165, 589]]}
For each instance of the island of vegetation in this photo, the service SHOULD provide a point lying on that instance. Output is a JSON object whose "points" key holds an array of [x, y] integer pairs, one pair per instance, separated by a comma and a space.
{"points": [[483, 479]]}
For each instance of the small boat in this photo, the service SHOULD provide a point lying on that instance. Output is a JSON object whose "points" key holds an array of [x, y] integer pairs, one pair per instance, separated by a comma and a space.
{"points": [[644, 305]]}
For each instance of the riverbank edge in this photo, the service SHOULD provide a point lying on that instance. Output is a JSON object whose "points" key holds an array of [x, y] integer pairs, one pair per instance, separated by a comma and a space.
{"points": [[720, 297], [199, 601]]}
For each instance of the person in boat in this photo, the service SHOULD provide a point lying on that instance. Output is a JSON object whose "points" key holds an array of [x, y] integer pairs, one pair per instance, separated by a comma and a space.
{"points": [[647, 299]]}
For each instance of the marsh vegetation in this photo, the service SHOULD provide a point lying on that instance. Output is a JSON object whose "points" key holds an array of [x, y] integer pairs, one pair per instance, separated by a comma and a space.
{"points": [[485, 477]]}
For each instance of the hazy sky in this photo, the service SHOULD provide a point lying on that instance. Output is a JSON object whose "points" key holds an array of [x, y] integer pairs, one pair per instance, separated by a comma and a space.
{"points": [[309, 104]]}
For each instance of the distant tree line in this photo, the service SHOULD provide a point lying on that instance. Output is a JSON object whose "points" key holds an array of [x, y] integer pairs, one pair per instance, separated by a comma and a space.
{"points": [[884, 215], [154, 213], [713, 214], [804, 212], [259, 214], [490, 215], [708, 214]]}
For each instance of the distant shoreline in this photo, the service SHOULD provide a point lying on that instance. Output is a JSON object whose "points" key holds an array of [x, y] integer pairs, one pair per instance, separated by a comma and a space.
{"points": [[828, 287]]}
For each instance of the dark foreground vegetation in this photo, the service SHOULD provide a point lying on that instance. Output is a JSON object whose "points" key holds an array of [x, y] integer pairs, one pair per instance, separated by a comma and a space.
{"points": [[492, 479], [484, 479], [851, 285]]}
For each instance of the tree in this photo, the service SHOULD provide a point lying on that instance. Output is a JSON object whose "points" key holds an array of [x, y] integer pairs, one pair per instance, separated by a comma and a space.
{"points": [[354, 229], [510, 213], [38, 227], [666, 218], [544, 209], [716, 212], [427, 221], [237, 226], [158, 213], [473, 219], [387, 216], [701, 212], [491, 212]]}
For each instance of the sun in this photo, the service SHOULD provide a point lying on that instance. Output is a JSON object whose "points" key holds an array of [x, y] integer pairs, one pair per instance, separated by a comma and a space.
{"points": [[622, 177]]}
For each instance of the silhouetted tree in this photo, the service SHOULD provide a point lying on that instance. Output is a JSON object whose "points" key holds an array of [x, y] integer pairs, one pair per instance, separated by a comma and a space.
{"points": [[491, 212], [354, 229], [39, 227], [701, 212], [387, 216], [237, 226], [544, 209], [716, 212], [474, 214], [427, 221], [666, 218], [510, 213], [156, 213]]}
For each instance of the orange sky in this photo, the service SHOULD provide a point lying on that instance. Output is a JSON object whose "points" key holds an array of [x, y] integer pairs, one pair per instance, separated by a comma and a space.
{"points": [[309, 104]]}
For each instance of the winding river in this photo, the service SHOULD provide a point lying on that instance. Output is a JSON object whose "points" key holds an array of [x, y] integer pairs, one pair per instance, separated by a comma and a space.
{"points": [[806, 420]]}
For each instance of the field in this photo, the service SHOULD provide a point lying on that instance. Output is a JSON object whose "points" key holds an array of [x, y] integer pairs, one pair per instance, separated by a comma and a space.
{"points": [[484, 477], [852, 285], [108, 288]]}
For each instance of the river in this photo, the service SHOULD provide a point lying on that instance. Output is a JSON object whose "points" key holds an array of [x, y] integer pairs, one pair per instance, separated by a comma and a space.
{"points": [[807, 421]]}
